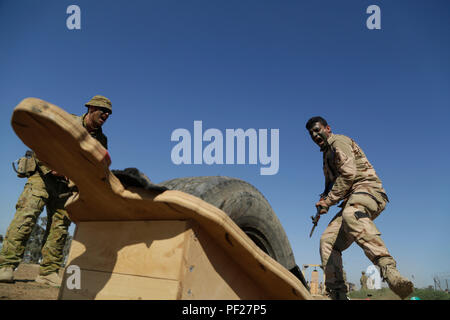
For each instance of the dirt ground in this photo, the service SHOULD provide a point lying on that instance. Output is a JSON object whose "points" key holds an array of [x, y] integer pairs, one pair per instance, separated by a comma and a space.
{"points": [[25, 288]]}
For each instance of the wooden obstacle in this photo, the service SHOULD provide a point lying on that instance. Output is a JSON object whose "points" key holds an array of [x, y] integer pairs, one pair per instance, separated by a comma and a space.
{"points": [[136, 243]]}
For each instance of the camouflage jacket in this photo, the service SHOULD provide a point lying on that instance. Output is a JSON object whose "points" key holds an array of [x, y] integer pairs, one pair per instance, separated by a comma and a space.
{"points": [[347, 170], [363, 281], [97, 134]]}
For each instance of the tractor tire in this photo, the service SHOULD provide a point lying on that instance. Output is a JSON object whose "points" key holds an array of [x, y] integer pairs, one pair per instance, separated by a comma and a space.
{"points": [[241, 201], [248, 208]]}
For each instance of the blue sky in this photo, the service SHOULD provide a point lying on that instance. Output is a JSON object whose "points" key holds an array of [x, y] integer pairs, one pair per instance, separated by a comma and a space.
{"points": [[254, 64]]}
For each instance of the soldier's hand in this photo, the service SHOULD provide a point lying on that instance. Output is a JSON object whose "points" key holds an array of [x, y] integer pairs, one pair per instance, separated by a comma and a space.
{"points": [[55, 173], [324, 207]]}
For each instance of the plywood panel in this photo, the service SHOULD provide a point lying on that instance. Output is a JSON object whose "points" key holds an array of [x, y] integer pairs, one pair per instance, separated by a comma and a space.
{"points": [[102, 286], [209, 273], [144, 248], [275, 280]]}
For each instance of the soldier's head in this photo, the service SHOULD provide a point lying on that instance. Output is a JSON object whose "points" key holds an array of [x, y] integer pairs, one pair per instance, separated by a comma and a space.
{"points": [[99, 109], [363, 272], [319, 130]]}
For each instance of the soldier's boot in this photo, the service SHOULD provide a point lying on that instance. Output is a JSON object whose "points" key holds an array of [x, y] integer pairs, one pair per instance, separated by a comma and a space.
{"points": [[397, 283], [338, 295], [7, 274], [52, 279]]}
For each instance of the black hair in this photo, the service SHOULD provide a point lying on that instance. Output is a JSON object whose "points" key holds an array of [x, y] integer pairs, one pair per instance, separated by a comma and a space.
{"points": [[313, 120]]}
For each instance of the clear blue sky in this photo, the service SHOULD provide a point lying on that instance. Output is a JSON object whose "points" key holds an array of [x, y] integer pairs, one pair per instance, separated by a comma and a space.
{"points": [[254, 64]]}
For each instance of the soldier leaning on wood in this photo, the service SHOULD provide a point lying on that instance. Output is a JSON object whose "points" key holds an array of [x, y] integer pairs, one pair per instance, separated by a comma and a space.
{"points": [[46, 187]]}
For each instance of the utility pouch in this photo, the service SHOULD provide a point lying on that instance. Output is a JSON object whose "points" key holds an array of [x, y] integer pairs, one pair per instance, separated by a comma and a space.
{"points": [[26, 166], [365, 199]]}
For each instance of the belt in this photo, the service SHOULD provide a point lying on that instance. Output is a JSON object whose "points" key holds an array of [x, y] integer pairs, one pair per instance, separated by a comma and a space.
{"points": [[384, 195]]}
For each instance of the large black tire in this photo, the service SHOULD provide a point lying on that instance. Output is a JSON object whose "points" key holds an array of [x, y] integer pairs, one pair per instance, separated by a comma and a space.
{"points": [[241, 201], [248, 208]]}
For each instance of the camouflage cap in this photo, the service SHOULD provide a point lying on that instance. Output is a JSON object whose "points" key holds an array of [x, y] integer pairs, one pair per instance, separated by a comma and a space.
{"points": [[100, 101]]}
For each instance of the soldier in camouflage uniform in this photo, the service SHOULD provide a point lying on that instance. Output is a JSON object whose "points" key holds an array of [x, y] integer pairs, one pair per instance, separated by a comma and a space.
{"points": [[350, 178], [46, 187], [363, 281]]}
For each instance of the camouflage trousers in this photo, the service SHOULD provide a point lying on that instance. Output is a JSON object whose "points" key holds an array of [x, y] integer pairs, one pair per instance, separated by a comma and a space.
{"points": [[39, 191], [354, 223]]}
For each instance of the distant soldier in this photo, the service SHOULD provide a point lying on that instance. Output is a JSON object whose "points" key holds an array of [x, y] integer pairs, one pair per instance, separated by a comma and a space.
{"points": [[363, 281], [46, 187], [350, 178]]}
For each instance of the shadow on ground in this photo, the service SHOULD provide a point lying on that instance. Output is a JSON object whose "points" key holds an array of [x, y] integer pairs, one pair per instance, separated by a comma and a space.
{"points": [[24, 287]]}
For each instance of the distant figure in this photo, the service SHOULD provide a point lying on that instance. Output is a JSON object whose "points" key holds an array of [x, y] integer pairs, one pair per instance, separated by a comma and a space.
{"points": [[351, 180], [363, 281], [374, 281], [370, 284]]}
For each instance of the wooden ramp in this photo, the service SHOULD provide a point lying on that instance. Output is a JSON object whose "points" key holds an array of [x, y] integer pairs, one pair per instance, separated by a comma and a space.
{"points": [[135, 243]]}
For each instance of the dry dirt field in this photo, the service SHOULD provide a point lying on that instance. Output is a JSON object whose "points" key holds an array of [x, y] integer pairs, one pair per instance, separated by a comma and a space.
{"points": [[25, 288]]}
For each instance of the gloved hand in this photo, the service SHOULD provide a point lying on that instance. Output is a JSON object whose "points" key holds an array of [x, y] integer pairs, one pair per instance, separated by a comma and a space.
{"points": [[322, 204], [57, 174]]}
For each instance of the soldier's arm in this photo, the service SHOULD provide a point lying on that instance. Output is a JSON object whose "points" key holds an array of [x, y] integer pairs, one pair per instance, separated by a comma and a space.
{"points": [[42, 166], [345, 164], [326, 189]]}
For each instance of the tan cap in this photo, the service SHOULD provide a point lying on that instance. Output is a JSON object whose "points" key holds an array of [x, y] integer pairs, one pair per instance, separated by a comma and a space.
{"points": [[100, 101]]}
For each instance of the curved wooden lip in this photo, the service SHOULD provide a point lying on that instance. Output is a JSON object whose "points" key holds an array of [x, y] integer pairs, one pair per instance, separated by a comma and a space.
{"points": [[61, 142]]}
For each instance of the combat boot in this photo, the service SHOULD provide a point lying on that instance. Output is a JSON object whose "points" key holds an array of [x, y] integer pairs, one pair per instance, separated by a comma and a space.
{"points": [[51, 279], [337, 295], [397, 283], [6, 274]]}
